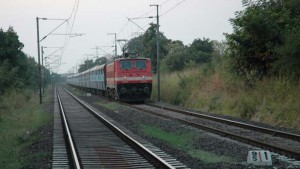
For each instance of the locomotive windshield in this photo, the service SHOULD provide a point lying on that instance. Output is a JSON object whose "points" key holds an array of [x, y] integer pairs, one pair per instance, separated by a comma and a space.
{"points": [[140, 64], [126, 64]]}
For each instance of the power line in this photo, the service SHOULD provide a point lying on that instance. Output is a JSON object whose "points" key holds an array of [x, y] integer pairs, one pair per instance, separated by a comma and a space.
{"points": [[153, 9], [70, 29], [142, 17], [54, 30], [123, 27], [173, 7], [163, 3], [135, 24], [74, 16]]}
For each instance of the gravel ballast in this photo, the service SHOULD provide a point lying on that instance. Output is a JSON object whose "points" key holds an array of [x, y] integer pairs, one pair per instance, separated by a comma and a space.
{"points": [[202, 141]]}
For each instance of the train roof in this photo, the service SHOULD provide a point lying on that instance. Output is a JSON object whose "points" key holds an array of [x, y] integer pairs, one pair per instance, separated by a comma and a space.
{"points": [[101, 66], [89, 70], [132, 58]]}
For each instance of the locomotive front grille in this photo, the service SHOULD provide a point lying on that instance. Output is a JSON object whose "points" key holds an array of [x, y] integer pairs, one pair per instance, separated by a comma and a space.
{"points": [[134, 91]]}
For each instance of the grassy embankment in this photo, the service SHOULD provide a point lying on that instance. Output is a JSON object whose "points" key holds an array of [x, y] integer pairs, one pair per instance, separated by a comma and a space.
{"points": [[273, 101], [20, 115]]}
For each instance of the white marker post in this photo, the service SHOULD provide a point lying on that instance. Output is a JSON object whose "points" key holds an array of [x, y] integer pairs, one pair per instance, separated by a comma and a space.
{"points": [[259, 157]]}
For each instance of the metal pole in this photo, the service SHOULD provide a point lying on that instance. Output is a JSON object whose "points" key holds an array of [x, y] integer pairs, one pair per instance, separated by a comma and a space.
{"points": [[39, 63], [158, 59], [43, 71], [97, 52], [115, 42], [157, 50], [115, 45]]}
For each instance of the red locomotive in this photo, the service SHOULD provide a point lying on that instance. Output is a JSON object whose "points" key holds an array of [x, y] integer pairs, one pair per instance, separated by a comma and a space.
{"points": [[125, 79]]}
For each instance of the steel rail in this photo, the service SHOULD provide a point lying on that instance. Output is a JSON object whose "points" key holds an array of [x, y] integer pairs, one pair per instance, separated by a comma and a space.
{"points": [[272, 132], [250, 141], [69, 135], [132, 142]]}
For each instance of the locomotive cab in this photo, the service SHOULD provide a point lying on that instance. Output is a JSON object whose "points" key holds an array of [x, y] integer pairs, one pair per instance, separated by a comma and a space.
{"points": [[132, 79]]}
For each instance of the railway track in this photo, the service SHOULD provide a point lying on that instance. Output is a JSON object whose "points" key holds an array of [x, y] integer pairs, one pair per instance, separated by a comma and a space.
{"points": [[275, 133], [276, 141], [95, 142]]}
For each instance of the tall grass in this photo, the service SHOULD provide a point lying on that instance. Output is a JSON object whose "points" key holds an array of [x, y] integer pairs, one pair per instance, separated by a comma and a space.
{"points": [[211, 89], [20, 115]]}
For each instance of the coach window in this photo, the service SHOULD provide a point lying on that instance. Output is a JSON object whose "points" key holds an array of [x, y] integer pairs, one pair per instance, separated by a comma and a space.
{"points": [[126, 64], [140, 64]]}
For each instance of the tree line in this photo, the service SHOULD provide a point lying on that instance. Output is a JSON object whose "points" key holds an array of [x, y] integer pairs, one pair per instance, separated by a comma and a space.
{"points": [[266, 40], [174, 54], [17, 70]]}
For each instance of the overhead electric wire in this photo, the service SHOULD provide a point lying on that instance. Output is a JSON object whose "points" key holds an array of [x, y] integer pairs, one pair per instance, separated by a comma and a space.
{"points": [[153, 9], [69, 28], [143, 28], [142, 17], [135, 24], [68, 31], [173, 7], [123, 27], [54, 30], [74, 16], [164, 2], [54, 52], [73, 21], [75, 8]]}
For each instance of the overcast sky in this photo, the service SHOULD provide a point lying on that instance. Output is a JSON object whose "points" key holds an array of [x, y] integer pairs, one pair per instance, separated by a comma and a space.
{"points": [[183, 20]]}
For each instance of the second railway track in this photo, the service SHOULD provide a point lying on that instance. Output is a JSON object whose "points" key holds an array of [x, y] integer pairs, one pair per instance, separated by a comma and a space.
{"points": [[277, 141], [273, 132], [103, 145]]}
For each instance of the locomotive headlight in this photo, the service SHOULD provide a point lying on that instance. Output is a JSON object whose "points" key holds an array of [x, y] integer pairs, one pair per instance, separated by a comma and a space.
{"points": [[125, 77], [143, 76]]}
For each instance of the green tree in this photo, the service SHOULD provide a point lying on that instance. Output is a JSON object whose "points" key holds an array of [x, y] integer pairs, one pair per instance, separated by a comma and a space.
{"points": [[149, 43], [135, 45], [8, 76], [200, 51], [100, 61], [17, 70], [176, 57], [10, 46], [86, 65], [219, 48], [288, 60], [258, 31]]}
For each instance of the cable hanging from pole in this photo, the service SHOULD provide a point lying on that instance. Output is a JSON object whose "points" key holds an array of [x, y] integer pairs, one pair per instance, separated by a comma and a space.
{"points": [[54, 29]]}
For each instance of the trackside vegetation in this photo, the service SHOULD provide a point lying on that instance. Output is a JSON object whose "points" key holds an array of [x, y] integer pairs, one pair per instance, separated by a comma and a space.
{"points": [[254, 74], [20, 112], [20, 116], [273, 100]]}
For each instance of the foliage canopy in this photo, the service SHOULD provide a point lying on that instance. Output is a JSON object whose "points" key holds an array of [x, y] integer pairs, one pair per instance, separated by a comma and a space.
{"points": [[17, 70], [262, 36]]}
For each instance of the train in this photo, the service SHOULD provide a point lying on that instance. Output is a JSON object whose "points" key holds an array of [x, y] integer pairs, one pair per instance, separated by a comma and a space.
{"points": [[124, 79]]}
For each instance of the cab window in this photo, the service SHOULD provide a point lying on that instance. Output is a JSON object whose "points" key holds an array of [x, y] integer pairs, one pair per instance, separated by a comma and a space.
{"points": [[140, 64], [126, 64]]}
